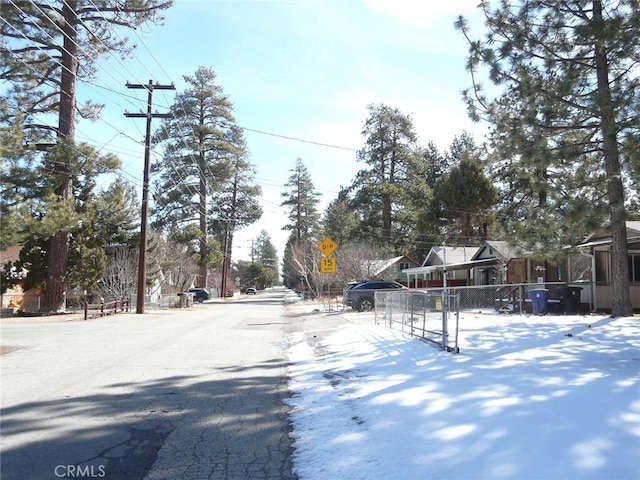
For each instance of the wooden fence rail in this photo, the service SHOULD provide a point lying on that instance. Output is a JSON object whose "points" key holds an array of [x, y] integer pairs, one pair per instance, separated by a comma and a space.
{"points": [[105, 308]]}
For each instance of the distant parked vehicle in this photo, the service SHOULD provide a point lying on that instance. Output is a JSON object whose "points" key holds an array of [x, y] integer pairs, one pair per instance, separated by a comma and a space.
{"points": [[200, 294], [251, 291], [360, 296]]}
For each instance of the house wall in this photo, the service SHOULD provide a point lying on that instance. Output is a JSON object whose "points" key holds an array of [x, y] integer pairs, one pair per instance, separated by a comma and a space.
{"points": [[396, 276], [517, 270], [603, 289], [394, 272], [604, 297], [488, 275]]}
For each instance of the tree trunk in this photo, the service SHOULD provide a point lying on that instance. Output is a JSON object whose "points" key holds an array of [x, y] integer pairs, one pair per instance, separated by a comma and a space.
{"points": [[621, 300], [386, 219], [58, 254], [204, 247]]}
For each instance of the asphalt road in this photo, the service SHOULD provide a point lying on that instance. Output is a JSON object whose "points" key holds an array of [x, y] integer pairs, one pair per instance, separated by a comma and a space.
{"points": [[192, 394]]}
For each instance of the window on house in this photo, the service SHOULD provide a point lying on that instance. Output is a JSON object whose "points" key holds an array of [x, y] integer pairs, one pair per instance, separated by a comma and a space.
{"points": [[404, 266], [634, 268], [602, 267]]}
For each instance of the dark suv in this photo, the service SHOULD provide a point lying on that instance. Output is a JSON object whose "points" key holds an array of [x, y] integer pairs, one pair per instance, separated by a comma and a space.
{"points": [[361, 296], [200, 294]]}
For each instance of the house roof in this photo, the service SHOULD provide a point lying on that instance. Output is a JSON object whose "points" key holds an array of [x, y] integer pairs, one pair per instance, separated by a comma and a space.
{"points": [[456, 258], [450, 266], [437, 255], [379, 266], [461, 258], [603, 236], [499, 249]]}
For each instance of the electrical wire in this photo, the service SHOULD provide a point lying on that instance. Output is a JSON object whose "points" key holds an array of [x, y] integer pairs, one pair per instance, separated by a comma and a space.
{"points": [[179, 174]]}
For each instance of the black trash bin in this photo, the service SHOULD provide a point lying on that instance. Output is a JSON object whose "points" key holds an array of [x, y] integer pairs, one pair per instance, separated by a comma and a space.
{"points": [[571, 297]]}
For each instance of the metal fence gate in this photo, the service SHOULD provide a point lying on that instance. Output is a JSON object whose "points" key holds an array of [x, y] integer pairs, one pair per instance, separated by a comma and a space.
{"points": [[430, 315]]}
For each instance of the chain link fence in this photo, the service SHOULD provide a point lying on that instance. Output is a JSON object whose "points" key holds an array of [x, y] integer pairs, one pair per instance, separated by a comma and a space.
{"points": [[516, 298], [430, 315], [434, 316]]}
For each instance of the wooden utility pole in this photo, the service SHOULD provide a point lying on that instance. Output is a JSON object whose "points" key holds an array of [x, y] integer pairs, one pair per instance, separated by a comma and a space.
{"points": [[142, 260]]}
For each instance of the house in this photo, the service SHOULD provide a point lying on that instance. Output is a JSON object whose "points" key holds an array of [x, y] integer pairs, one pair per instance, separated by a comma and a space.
{"points": [[499, 262], [454, 259], [390, 269], [12, 298], [496, 263], [597, 247], [587, 270], [16, 298]]}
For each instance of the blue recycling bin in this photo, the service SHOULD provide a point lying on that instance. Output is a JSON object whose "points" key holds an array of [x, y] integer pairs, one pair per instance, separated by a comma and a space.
{"points": [[539, 300]]}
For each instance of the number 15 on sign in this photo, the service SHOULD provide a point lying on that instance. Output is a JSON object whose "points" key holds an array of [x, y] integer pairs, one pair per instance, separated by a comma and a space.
{"points": [[328, 265]]}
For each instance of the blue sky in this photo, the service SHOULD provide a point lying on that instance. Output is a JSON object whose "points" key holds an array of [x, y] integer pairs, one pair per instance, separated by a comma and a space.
{"points": [[300, 69]]}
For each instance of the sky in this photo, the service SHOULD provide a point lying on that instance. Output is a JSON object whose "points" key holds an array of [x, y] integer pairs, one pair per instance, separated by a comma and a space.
{"points": [[304, 70], [527, 398]]}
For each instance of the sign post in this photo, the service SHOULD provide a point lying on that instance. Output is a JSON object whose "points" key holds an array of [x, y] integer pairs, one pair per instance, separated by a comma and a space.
{"points": [[328, 264]]}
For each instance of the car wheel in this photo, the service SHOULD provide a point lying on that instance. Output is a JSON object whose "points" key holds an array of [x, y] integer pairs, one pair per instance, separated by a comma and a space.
{"points": [[365, 304], [199, 299]]}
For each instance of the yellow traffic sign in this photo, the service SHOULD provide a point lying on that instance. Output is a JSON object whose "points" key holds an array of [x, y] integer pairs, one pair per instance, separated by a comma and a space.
{"points": [[328, 265], [327, 246]]}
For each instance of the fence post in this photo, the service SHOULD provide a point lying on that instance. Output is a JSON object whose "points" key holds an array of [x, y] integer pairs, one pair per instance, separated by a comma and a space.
{"points": [[86, 309]]}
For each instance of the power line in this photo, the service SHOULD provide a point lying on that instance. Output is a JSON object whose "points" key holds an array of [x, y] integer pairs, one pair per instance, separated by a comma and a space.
{"points": [[328, 145]]}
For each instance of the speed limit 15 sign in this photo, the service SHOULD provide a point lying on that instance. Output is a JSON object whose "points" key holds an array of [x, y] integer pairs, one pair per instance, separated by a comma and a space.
{"points": [[328, 265]]}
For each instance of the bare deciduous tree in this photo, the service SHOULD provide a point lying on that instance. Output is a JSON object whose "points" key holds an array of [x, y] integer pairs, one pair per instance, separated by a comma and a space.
{"points": [[120, 274]]}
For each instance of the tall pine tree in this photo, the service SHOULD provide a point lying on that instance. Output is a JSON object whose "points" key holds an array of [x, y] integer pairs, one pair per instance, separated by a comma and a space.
{"points": [[236, 203], [389, 147], [565, 115], [301, 200], [196, 163], [46, 49]]}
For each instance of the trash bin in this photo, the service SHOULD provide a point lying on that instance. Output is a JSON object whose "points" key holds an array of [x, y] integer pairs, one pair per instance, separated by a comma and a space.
{"points": [[539, 300], [571, 296]]}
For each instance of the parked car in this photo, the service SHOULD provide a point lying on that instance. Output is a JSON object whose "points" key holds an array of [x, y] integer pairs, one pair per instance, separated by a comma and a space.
{"points": [[350, 285], [360, 296], [251, 291], [200, 294]]}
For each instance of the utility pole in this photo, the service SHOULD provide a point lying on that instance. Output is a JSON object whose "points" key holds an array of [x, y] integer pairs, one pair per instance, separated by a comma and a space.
{"points": [[142, 260]]}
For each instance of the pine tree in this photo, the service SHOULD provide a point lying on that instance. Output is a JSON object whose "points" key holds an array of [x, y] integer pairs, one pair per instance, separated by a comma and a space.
{"points": [[236, 204], [565, 116], [302, 202], [389, 146], [265, 254], [14, 180], [340, 220], [428, 166], [46, 48], [465, 195], [196, 162]]}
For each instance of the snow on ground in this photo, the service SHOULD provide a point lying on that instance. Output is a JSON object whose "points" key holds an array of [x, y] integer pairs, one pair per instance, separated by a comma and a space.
{"points": [[527, 397]]}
